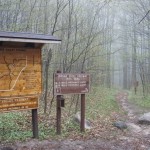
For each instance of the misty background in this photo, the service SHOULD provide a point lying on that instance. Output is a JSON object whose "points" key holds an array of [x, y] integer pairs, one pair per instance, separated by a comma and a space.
{"points": [[110, 39]]}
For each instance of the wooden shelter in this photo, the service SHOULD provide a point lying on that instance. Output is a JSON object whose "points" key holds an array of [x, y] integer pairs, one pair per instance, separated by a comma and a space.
{"points": [[20, 72], [20, 69]]}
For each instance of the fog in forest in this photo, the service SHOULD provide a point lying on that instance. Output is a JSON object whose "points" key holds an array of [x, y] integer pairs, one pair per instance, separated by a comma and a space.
{"points": [[107, 38]]}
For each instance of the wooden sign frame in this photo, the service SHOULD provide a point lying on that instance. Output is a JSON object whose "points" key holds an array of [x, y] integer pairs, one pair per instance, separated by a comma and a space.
{"points": [[20, 78], [71, 83]]}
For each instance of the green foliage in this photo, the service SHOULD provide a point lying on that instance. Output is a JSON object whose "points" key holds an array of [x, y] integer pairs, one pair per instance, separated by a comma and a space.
{"points": [[14, 126], [100, 103], [139, 99]]}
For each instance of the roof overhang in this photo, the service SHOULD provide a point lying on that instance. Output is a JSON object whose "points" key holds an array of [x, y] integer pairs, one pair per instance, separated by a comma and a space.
{"points": [[28, 37], [29, 40]]}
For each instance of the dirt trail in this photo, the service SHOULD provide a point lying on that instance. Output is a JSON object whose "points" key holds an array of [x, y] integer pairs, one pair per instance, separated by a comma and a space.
{"points": [[133, 111]]}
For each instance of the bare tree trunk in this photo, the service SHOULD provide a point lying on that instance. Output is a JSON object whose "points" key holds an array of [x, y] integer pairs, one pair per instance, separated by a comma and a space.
{"points": [[134, 44], [48, 60], [125, 59]]}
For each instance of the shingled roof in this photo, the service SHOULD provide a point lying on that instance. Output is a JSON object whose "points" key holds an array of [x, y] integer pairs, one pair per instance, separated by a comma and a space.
{"points": [[28, 37]]}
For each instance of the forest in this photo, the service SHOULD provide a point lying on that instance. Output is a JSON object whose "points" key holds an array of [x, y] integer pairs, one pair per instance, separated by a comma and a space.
{"points": [[93, 33], [108, 39]]}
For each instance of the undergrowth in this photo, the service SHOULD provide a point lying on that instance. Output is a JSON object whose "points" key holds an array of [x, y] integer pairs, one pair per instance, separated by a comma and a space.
{"points": [[139, 99], [100, 105]]}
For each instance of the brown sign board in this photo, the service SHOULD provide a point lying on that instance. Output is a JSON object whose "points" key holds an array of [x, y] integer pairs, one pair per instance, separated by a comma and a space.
{"points": [[67, 83], [20, 75], [18, 103]]}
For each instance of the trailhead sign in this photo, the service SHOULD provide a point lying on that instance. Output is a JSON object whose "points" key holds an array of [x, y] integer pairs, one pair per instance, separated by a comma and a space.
{"points": [[21, 72], [20, 78], [65, 83], [69, 83]]}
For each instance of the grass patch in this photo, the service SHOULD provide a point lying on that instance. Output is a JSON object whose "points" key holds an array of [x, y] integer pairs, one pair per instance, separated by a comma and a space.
{"points": [[14, 126], [139, 99], [100, 104], [102, 101]]}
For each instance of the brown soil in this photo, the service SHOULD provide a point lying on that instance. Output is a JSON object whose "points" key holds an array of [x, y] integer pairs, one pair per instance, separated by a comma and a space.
{"points": [[126, 143]]}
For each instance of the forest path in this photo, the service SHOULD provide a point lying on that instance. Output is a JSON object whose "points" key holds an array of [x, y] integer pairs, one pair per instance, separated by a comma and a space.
{"points": [[133, 111]]}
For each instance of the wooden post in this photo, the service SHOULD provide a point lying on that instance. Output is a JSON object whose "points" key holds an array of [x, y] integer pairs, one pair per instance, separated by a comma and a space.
{"points": [[58, 124], [82, 124], [58, 112], [35, 123]]}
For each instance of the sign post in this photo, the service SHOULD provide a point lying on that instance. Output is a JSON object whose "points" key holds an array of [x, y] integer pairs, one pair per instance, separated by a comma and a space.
{"points": [[20, 81], [58, 114], [82, 124], [35, 123], [67, 83]]}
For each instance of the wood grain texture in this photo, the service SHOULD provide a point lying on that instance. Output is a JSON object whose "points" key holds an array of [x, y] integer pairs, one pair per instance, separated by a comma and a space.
{"points": [[20, 76], [18, 103], [20, 71]]}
